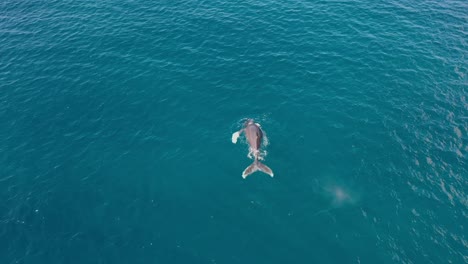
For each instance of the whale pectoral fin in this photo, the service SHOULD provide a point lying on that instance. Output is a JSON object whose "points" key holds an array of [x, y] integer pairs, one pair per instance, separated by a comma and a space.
{"points": [[235, 136]]}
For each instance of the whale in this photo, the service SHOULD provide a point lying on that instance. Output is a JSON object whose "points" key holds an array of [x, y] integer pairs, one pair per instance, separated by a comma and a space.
{"points": [[255, 136]]}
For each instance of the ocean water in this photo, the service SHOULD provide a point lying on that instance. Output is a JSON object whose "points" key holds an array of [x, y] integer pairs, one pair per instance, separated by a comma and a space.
{"points": [[116, 120]]}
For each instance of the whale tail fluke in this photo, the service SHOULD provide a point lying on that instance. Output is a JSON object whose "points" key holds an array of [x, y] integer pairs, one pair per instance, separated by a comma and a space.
{"points": [[264, 168], [255, 166]]}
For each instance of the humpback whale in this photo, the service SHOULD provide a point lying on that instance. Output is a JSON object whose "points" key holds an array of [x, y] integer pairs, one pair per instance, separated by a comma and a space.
{"points": [[254, 135]]}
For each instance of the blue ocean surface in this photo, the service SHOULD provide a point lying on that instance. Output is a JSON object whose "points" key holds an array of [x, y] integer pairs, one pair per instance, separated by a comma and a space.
{"points": [[116, 120]]}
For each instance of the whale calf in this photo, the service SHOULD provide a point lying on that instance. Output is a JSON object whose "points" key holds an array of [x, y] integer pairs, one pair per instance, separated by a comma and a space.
{"points": [[254, 135]]}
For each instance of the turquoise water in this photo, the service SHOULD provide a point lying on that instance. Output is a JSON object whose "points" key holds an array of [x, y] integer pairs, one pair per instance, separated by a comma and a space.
{"points": [[116, 120]]}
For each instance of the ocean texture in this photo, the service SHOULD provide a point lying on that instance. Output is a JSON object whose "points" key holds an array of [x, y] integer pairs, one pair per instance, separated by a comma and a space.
{"points": [[116, 120]]}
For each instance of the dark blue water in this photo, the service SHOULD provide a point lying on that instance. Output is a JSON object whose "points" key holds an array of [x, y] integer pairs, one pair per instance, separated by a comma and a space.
{"points": [[116, 120]]}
